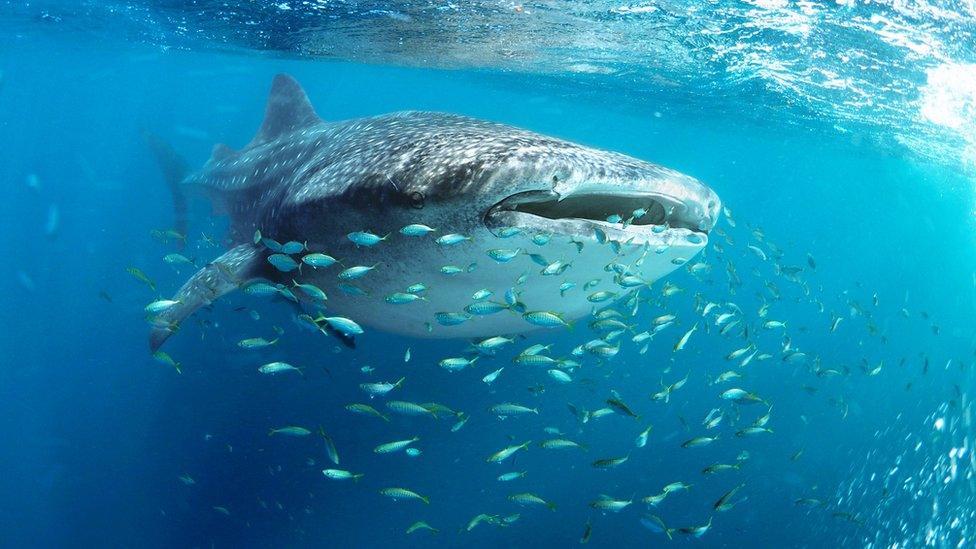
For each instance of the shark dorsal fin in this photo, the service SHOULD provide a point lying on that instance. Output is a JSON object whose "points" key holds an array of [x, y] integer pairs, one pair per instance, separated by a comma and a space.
{"points": [[221, 152], [288, 110]]}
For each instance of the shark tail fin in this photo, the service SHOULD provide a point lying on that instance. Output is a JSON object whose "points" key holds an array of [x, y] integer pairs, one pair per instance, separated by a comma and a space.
{"points": [[220, 277], [174, 170]]}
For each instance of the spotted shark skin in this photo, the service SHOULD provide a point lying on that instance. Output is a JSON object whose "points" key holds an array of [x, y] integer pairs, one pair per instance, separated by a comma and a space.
{"points": [[307, 180]]}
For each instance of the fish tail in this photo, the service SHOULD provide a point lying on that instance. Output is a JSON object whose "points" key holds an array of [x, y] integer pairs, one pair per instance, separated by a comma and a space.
{"points": [[425, 499], [551, 505], [174, 170]]}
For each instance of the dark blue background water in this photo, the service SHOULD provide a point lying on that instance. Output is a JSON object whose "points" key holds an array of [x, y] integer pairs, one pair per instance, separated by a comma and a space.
{"points": [[96, 433]]}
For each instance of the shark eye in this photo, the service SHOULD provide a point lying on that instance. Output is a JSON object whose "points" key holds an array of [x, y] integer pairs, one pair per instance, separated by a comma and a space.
{"points": [[417, 199]]}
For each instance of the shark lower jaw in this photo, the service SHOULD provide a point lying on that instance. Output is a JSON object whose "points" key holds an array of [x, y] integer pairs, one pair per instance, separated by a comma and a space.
{"points": [[645, 217]]}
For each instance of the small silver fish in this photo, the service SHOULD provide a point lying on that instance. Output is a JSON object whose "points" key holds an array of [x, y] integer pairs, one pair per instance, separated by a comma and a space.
{"points": [[355, 272], [282, 262], [273, 368], [416, 229], [365, 238], [451, 239]]}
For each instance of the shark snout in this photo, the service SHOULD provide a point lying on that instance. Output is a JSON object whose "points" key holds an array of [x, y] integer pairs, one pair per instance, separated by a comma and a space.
{"points": [[700, 209]]}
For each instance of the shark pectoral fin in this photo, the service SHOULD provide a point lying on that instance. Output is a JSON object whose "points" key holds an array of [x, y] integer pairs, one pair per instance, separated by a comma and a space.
{"points": [[220, 277]]}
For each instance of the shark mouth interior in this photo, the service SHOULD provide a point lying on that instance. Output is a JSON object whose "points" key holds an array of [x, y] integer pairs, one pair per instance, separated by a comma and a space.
{"points": [[597, 207]]}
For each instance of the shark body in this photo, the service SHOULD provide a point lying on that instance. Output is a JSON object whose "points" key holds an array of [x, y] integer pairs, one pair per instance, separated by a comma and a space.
{"points": [[504, 190]]}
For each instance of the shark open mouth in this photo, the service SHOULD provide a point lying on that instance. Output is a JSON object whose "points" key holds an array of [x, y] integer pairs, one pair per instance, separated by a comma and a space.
{"points": [[639, 209]]}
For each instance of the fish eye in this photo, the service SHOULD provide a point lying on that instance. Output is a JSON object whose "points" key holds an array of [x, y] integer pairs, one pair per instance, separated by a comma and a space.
{"points": [[417, 199]]}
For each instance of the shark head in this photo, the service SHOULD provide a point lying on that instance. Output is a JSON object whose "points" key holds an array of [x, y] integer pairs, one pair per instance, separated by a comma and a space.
{"points": [[534, 223], [481, 178], [578, 191]]}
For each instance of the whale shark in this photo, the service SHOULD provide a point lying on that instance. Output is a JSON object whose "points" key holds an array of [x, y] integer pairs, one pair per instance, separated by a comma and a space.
{"points": [[520, 221]]}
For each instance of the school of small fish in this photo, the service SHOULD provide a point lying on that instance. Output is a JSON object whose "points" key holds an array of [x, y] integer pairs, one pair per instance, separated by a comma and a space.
{"points": [[724, 333]]}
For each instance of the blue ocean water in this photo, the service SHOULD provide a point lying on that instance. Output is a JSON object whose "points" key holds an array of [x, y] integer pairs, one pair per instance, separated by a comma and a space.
{"points": [[867, 186]]}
